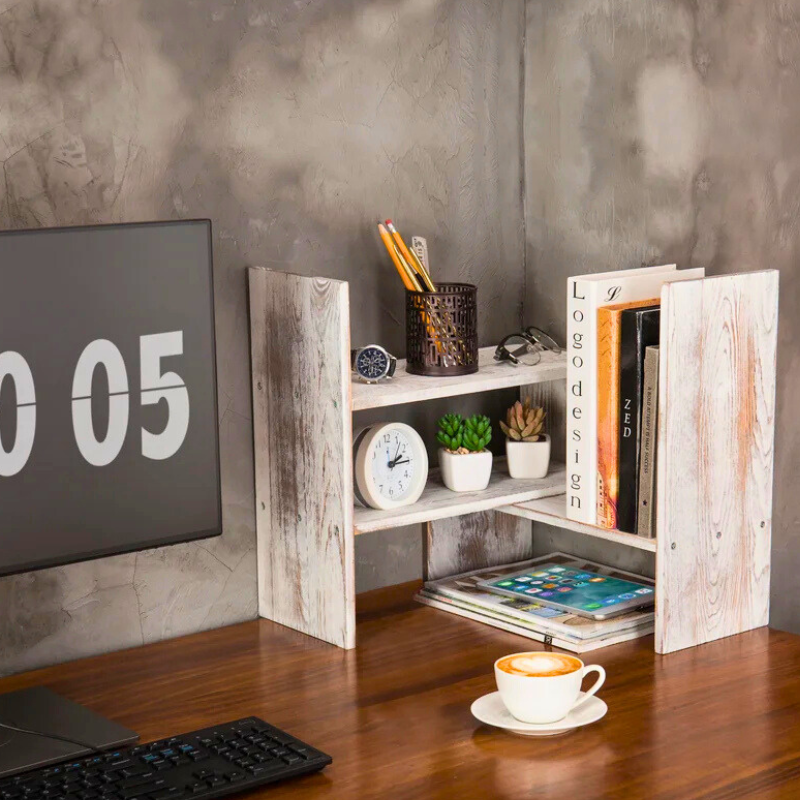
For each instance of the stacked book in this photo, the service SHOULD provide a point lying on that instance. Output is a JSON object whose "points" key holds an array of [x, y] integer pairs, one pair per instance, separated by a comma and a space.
{"points": [[461, 595], [612, 388]]}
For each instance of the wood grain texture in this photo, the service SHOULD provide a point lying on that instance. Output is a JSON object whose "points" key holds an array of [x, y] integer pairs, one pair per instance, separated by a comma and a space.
{"points": [[405, 388], [717, 722], [715, 457], [439, 502], [303, 433], [553, 510], [552, 397], [474, 541]]}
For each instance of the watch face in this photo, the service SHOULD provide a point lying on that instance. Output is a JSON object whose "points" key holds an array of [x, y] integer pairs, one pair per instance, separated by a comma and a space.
{"points": [[372, 363], [395, 469]]}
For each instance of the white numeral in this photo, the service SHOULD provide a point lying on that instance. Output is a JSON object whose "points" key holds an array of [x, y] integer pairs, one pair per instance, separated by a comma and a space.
{"points": [[100, 352], [16, 367], [168, 386]]}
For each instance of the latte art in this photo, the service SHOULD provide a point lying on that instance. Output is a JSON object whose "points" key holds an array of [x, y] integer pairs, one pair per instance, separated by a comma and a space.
{"points": [[539, 665]]}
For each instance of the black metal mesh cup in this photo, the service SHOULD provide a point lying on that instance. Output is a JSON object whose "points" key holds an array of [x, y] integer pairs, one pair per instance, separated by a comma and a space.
{"points": [[442, 330]]}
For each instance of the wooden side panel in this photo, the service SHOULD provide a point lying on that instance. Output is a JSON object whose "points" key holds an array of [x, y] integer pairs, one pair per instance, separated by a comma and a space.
{"points": [[474, 541], [552, 396], [715, 457], [303, 433]]}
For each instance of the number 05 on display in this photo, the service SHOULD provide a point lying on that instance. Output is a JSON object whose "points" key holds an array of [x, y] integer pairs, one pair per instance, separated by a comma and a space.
{"points": [[155, 386]]}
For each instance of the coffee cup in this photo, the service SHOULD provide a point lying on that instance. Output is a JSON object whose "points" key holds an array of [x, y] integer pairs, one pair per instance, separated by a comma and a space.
{"points": [[539, 687]]}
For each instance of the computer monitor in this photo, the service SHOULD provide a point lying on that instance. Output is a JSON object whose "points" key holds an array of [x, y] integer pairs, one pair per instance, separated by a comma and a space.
{"points": [[108, 400], [108, 418]]}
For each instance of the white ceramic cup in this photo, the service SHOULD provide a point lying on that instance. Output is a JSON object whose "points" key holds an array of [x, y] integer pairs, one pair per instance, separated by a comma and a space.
{"points": [[542, 698]]}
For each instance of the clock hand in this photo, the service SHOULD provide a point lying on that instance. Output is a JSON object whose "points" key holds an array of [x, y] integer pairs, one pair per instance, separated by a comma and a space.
{"points": [[406, 461]]}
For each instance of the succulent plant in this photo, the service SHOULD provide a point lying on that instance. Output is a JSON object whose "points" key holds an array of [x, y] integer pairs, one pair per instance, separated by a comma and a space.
{"points": [[477, 433], [451, 431], [523, 423]]}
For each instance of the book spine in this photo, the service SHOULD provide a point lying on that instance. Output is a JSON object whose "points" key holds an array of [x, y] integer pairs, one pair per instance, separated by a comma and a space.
{"points": [[628, 427], [580, 427], [646, 512], [608, 341]]}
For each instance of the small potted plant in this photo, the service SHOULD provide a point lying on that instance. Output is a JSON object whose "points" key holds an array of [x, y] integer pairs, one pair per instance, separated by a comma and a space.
{"points": [[465, 462], [527, 447]]}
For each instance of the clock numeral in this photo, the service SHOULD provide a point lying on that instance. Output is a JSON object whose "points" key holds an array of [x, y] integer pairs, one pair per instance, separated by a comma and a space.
{"points": [[98, 353], [15, 367]]}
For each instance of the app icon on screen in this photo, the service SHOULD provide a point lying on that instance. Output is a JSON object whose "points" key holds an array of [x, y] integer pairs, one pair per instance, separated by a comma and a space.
{"points": [[581, 583], [596, 580], [546, 594], [532, 591], [566, 581], [645, 590], [539, 574], [627, 596], [556, 569], [592, 606], [536, 583], [523, 578], [565, 589], [609, 601], [549, 586], [584, 576], [506, 583]]}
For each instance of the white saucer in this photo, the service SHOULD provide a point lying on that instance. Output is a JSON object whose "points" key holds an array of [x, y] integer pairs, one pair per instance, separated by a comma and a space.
{"points": [[491, 710]]}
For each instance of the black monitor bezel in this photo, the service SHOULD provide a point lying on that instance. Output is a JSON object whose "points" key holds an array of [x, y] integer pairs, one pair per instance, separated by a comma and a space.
{"points": [[192, 536]]}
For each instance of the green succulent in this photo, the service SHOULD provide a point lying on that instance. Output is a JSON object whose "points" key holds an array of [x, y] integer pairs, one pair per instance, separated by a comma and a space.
{"points": [[451, 430], [477, 433]]}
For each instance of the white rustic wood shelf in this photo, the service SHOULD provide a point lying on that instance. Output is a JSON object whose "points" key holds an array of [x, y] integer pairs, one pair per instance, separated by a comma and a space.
{"points": [[715, 458], [438, 502], [406, 388], [552, 510]]}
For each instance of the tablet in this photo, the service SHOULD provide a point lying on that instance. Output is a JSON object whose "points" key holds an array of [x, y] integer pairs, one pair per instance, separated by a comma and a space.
{"points": [[570, 588]]}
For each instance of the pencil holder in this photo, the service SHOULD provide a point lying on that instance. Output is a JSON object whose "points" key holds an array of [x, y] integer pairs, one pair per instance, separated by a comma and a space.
{"points": [[442, 330]]}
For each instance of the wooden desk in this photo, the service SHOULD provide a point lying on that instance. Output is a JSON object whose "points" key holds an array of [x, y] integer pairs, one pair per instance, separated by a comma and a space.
{"points": [[718, 721]]}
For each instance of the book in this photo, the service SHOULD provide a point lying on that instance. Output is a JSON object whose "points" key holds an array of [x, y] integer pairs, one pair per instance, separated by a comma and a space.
{"points": [[585, 294], [462, 595], [609, 324], [638, 330], [646, 511]]}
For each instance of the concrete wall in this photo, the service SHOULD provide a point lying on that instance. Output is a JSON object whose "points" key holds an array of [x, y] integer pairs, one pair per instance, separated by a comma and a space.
{"points": [[667, 130], [294, 127]]}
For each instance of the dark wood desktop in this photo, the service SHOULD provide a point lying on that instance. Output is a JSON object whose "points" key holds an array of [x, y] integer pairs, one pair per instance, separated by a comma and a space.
{"points": [[718, 721]]}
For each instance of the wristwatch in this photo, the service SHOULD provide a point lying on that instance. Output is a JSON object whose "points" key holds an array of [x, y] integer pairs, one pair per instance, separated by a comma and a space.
{"points": [[372, 363]]}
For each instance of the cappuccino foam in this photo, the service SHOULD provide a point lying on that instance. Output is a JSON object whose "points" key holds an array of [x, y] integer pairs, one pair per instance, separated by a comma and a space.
{"points": [[539, 665]]}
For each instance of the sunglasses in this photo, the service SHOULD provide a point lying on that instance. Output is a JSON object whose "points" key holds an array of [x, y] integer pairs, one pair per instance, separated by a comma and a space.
{"points": [[525, 347]]}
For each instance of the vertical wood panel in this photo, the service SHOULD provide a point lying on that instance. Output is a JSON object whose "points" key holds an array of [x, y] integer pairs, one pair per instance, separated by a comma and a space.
{"points": [[715, 458], [474, 541], [302, 434]]}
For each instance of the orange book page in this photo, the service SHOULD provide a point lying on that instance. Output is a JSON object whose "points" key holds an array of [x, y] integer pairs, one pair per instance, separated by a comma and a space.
{"points": [[609, 319]]}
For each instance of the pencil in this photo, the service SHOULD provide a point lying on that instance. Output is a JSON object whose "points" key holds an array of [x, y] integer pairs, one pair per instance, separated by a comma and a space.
{"points": [[402, 269], [410, 257]]}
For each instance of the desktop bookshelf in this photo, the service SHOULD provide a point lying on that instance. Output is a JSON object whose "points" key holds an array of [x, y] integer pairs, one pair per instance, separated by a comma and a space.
{"points": [[715, 457]]}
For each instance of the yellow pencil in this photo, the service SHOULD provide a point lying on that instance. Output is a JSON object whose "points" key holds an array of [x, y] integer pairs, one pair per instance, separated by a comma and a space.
{"points": [[410, 257], [400, 266]]}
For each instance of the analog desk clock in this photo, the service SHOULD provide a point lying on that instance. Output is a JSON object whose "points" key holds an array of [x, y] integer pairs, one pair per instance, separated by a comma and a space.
{"points": [[390, 464]]}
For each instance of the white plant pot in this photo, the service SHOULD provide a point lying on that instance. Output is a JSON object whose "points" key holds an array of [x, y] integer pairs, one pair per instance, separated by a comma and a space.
{"points": [[528, 459], [469, 472]]}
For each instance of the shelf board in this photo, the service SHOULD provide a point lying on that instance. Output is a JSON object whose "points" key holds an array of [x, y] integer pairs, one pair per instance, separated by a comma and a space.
{"points": [[405, 388], [438, 502], [553, 511]]}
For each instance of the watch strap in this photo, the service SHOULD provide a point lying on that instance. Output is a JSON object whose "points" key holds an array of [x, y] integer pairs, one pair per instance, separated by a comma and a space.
{"points": [[392, 366]]}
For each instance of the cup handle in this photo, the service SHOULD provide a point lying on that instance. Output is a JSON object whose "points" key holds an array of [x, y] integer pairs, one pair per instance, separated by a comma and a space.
{"points": [[597, 684]]}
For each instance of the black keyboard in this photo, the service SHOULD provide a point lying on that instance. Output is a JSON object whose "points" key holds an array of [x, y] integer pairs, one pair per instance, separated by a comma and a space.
{"points": [[210, 763]]}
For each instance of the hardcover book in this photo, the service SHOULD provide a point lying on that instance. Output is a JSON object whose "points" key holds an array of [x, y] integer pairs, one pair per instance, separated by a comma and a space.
{"points": [[609, 329], [585, 294], [646, 512], [639, 329]]}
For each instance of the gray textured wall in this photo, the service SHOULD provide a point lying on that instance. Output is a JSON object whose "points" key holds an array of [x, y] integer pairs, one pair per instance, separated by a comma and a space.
{"points": [[293, 126], [667, 130]]}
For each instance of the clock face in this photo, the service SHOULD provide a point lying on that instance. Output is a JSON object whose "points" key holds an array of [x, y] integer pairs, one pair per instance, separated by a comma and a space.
{"points": [[393, 465], [390, 465], [372, 363]]}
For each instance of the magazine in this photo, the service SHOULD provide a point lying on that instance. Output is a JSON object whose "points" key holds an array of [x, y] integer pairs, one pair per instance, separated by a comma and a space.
{"points": [[462, 592]]}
